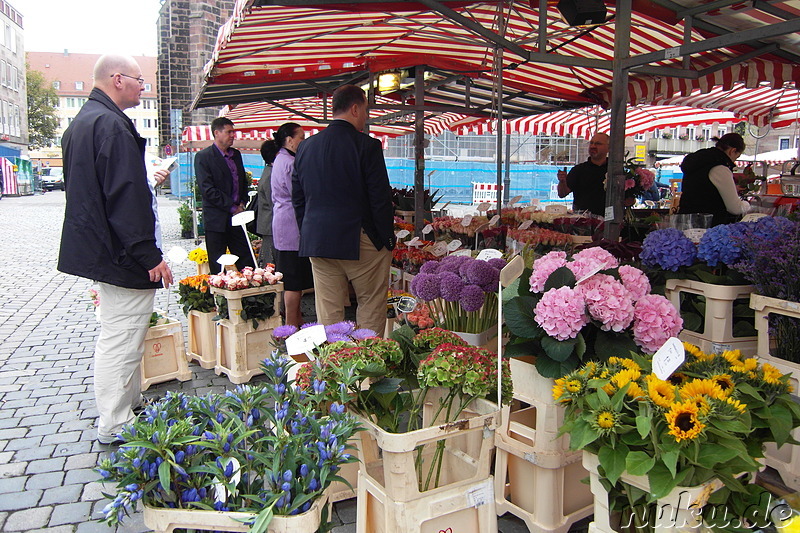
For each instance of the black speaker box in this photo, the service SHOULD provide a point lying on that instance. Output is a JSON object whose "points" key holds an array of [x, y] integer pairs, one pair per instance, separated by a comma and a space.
{"points": [[582, 12]]}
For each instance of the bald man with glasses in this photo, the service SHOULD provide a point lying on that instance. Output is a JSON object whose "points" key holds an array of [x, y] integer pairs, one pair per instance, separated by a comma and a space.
{"points": [[586, 180]]}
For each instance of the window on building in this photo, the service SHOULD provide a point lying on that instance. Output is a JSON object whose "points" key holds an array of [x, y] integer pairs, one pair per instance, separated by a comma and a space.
{"points": [[9, 37], [3, 77], [639, 137], [148, 87], [78, 85], [16, 83], [17, 121], [722, 131], [148, 123], [706, 134], [783, 143], [56, 85]]}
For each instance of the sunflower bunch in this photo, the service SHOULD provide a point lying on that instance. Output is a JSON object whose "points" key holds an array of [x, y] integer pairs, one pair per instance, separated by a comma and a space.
{"points": [[708, 420]]}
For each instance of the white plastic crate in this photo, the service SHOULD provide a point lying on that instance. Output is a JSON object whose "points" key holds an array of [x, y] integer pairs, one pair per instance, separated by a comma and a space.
{"points": [[164, 357], [202, 338], [241, 348]]}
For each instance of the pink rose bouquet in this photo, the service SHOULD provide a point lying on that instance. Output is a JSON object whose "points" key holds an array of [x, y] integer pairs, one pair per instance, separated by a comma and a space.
{"points": [[248, 277]]}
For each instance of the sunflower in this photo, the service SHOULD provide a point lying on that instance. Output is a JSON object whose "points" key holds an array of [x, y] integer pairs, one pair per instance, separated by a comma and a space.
{"points": [[662, 393], [745, 367], [588, 370], [573, 385], [771, 374], [737, 404], [558, 391], [683, 421], [604, 421], [678, 378], [734, 357], [625, 362], [635, 391], [724, 381], [622, 378], [703, 387], [694, 350]]}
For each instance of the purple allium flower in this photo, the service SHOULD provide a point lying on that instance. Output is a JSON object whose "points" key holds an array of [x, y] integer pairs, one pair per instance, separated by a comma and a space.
{"points": [[471, 298], [451, 263], [309, 325], [429, 267], [668, 249], [498, 262], [363, 333], [281, 332], [450, 285], [479, 272], [426, 286], [340, 328]]}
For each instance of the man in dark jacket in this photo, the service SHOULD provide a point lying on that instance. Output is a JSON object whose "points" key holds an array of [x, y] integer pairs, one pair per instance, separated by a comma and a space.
{"points": [[110, 234], [343, 202], [220, 176]]}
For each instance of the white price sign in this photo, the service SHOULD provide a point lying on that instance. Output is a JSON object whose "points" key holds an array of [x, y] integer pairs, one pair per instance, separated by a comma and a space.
{"points": [[668, 358], [489, 253], [439, 249], [526, 224], [483, 206], [556, 209], [402, 233], [466, 221], [514, 200], [427, 229], [414, 242], [305, 340], [454, 245], [494, 220], [609, 213]]}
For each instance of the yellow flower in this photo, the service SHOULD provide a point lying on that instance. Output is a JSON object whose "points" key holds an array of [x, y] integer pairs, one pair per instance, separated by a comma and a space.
{"points": [[695, 351], [635, 391], [678, 378], [683, 421], [771, 374], [606, 419], [588, 370], [734, 357], [662, 393], [745, 367], [625, 362], [724, 381], [737, 404], [620, 379], [574, 386], [703, 387], [198, 255], [558, 390]]}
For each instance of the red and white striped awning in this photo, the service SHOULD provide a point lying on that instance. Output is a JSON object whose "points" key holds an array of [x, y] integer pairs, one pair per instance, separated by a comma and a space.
{"points": [[9, 177], [588, 121]]}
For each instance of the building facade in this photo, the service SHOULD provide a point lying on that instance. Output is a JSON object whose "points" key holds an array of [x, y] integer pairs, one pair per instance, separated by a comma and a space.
{"points": [[71, 77], [13, 89], [187, 32]]}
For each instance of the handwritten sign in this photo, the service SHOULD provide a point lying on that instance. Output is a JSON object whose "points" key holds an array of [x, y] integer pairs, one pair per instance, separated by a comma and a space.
{"points": [[414, 242], [466, 221], [489, 253], [484, 206], [609, 213], [439, 249], [556, 209], [403, 233], [454, 245], [526, 224], [668, 358], [464, 251], [427, 229], [494, 220], [514, 200], [305, 340]]}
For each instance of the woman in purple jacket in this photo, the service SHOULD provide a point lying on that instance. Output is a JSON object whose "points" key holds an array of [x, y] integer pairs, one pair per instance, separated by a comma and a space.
{"points": [[285, 233]]}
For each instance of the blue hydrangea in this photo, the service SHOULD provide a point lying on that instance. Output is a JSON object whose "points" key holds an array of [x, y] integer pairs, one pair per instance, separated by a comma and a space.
{"points": [[668, 249], [722, 244]]}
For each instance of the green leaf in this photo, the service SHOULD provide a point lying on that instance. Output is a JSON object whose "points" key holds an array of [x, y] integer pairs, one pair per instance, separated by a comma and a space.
{"points": [[561, 277], [164, 475], [692, 321], [712, 453], [639, 463], [661, 480], [670, 460], [558, 350], [550, 368], [780, 423], [386, 385], [613, 461], [643, 425], [518, 315], [519, 349], [610, 344]]}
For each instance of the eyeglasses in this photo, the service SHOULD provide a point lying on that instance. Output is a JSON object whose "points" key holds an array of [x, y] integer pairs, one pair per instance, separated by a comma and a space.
{"points": [[140, 80]]}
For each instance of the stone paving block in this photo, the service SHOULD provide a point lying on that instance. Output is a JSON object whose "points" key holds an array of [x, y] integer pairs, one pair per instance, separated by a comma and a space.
{"points": [[44, 430], [77, 425], [36, 452], [17, 501], [45, 481], [23, 443], [61, 494], [6, 423], [43, 392], [60, 529], [27, 519], [67, 416], [83, 396], [12, 484], [92, 527], [38, 420], [83, 460], [133, 524], [62, 407], [3, 517], [45, 465], [20, 402], [51, 400], [71, 513], [346, 528], [62, 437], [346, 510], [80, 475], [93, 492], [25, 412], [13, 433], [72, 448], [14, 394], [13, 469], [5, 457]]}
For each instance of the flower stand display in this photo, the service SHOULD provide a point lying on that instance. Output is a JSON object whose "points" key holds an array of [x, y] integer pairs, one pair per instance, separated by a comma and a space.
{"points": [[162, 520], [202, 338], [786, 459], [717, 335], [164, 356], [389, 495], [677, 512], [537, 477], [240, 346], [482, 339]]}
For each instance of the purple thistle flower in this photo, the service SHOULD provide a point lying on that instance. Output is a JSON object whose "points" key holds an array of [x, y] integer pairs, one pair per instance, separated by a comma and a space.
{"points": [[337, 337], [281, 332], [363, 333], [429, 267], [450, 285], [471, 298], [425, 286], [480, 273], [309, 324], [340, 328]]}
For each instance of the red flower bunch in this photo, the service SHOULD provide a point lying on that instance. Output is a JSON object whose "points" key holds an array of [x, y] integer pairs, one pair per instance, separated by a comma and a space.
{"points": [[469, 371]]}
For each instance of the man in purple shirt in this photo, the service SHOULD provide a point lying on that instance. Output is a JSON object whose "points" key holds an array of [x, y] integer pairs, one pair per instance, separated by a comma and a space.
{"points": [[220, 176]]}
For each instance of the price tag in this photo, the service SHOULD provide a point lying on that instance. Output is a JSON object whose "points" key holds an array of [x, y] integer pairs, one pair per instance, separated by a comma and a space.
{"points": [[494, 220], [305, 340], [694, 234], [718, 347], [414, 242], [489, 253], [484, 206], [480, 495], [556, 209], [668, 358], [454, 245], [752, 217], [514, 200], [534, 202], [406, 304], [427, 229], [402, 233], [464, 251], [609, 213], [591, 273], [439, 249], [525, 225], [466, 221]]}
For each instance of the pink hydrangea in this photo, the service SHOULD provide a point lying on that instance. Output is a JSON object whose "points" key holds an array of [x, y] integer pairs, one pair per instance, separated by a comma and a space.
{"points": [[544, 266], [646, 178], [635, 281], [608, 302], [655, 320], [629, 184], [591, 259], [561, 313]]}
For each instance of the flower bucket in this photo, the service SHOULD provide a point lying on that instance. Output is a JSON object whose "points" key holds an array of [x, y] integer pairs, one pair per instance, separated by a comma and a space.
{"points": [[203, 268], [678, 511], [163, 520], [164, 357], [202, 338], [480, 339], [717, 331]]}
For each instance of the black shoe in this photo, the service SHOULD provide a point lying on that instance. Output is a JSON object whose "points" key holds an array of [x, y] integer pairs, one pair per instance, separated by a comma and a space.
{"points": [[115, 442]]}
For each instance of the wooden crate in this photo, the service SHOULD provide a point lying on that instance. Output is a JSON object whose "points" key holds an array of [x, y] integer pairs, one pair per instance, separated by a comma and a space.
{"points": [[202, 338], [234, 299], [241, 348], [164, 357]]}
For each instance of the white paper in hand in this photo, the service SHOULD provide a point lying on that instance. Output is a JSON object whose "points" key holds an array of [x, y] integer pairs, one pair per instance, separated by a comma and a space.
{"points": [[305, 340], [668, 358]]}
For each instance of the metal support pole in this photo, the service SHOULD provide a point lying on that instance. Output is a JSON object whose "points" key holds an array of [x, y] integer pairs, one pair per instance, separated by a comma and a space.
{"points": [[615, 184], [507, 180], [499, 91], [419, 151]]}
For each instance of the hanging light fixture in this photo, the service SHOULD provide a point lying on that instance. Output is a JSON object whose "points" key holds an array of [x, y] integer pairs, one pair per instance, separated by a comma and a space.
{"points": [[389, 81], [582, 12]]}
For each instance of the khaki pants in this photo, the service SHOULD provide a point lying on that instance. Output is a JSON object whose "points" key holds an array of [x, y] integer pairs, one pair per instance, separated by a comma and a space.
{"points": [[124, 319], [370, 278]]}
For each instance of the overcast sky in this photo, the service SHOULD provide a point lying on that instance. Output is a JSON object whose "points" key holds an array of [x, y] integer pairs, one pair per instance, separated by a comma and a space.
{"points": [[89, 26]]}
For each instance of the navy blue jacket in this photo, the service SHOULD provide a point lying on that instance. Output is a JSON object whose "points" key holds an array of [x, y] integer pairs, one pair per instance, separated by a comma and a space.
{"points": [[339, 187], [109, 224], [216, 186]]}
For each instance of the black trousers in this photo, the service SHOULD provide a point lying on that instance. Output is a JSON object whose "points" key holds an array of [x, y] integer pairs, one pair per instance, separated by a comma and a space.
{"points": [[232, 239]]}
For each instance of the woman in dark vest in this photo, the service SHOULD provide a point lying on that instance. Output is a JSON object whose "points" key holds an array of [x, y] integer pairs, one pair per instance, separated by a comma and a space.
{"points": [[708, 185]]}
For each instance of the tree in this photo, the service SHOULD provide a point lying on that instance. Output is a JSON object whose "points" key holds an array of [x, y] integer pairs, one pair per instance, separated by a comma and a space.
{"points": [[42, 114]]}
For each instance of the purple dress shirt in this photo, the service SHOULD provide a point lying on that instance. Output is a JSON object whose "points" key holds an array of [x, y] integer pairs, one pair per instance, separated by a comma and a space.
{"points": [[228, 155]]}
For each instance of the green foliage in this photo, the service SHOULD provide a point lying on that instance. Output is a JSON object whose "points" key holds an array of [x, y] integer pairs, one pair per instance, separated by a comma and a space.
{"points": [[255, 308], [194, 294], [185, 216], [42, 110]]}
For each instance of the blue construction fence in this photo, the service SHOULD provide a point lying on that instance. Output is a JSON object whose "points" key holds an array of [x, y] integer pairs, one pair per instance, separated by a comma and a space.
{"points": [[453, 179]]}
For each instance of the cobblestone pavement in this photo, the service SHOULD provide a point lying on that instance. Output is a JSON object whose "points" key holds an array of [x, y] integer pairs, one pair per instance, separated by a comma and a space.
{"points": [[47, 408]]}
